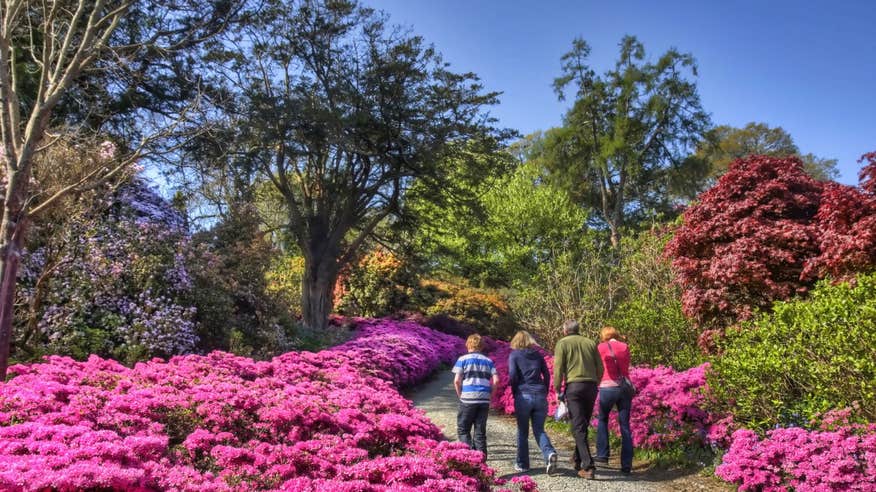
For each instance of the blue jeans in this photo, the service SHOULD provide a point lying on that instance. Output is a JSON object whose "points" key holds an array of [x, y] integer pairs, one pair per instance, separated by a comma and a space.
{"points": [[609, 398], [473, 414], [531, 406]]}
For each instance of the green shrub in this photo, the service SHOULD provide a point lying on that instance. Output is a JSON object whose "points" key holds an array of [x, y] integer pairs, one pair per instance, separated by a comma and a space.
{"points": [[379, 284], [236, 308], [802, 359], [484, 311], [580, 285], [284, 281], [649, 313], [658, 332]]}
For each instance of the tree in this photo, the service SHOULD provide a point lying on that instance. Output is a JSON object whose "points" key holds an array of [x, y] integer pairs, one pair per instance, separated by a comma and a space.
{"points": [[846, 227], [867, 176], [624, 141], [49, 52], [724, 144], [747, 240], [512, 221], [340, 112]]}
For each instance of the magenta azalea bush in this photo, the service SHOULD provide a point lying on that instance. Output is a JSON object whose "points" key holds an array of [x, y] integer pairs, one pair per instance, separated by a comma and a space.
{"points": [[327, 421], [794, 458]]}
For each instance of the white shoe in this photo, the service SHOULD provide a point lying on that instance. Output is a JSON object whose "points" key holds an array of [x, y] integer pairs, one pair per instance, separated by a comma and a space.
{"points": [[552, 464], [520, 469]]}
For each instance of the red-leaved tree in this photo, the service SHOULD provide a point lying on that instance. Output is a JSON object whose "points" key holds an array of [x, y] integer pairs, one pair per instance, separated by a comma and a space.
{"points": [[867, 177], [746, 243], [846, 224]]}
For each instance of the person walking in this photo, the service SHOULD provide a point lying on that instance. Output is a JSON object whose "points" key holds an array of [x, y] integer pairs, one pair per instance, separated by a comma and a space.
{"points": [[578, 365], [530, 379], [615, 357], [475, 381]]}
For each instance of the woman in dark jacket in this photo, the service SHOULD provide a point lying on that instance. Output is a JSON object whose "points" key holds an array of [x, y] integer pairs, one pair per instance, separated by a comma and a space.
{"points": [[530, 379]]}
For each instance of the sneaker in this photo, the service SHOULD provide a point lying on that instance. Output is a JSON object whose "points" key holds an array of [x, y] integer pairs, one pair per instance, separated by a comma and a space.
{"points": [[600, 461], [520, 469], [552, 464], [626, 471], [587, 474]]}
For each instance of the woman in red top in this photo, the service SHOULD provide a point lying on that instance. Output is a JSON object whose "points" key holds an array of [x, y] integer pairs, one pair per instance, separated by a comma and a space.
{"points": [[616, 360]]}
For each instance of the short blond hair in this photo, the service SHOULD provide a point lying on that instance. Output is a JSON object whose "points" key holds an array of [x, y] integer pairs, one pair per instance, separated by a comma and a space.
{"points": [[522, 339], [607, 333], [474, 343]]}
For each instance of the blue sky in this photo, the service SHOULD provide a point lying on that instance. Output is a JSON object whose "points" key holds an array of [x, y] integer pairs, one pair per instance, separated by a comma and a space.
{"points": [[807, 66]]}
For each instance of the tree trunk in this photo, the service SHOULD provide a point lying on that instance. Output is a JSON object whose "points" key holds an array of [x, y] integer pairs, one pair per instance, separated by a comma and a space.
{"points": [[317, 290], [615, 234], [10, 252]]}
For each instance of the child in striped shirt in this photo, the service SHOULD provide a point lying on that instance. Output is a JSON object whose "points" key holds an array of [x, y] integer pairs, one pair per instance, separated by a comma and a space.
{"points": [[475, 381]]}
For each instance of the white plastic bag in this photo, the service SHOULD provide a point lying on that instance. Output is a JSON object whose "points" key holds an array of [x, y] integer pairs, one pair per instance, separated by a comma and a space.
{"points": [[562, 412]]}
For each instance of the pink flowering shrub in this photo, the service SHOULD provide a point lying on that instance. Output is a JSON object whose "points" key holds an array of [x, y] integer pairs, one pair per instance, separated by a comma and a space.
{"points": [[794, 458], [327, 421]]}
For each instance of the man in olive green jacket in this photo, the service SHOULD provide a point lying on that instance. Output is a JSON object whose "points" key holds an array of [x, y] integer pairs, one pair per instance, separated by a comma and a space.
{"points": [[577, 363]]}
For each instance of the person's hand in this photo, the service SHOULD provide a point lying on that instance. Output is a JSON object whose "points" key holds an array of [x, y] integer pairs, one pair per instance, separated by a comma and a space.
{"points": [[561, 397]]}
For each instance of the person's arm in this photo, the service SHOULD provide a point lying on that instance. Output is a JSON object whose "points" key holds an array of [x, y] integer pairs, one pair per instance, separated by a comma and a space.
{"points": [[495, 384], [545, 374], [600, 368], [513, 371], [559, 368], [457, 383]]}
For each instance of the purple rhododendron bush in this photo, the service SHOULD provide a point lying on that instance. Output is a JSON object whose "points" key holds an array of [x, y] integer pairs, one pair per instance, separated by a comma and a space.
{"points": [[332, 420]]}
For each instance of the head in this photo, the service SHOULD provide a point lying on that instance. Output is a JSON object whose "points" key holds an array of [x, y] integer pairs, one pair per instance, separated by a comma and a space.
{"points": [[522, 340], [608, 332], [570, 327], [474, 343]]}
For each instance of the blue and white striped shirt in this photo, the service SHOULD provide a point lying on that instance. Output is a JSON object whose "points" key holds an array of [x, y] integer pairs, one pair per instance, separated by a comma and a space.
{"points": [[477, 371]]}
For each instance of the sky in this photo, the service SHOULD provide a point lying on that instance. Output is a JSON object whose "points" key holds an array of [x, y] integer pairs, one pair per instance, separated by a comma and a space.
{"points": [[808, 66]]}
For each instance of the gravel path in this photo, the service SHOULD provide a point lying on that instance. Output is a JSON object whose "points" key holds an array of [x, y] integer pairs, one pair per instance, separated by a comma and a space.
{"points": [[438, 399]]}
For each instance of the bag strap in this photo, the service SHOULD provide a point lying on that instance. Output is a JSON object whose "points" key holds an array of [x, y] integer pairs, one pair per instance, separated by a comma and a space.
{"points": [[616, 364]]}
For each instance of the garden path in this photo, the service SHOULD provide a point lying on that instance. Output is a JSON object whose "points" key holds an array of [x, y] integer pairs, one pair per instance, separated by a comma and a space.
{"points": [[437, 399]]}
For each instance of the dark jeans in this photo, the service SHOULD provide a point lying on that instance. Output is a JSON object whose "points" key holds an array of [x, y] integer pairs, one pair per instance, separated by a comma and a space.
{"points": [[580, 397], [609, 398], [531, 406], [473, 414]]}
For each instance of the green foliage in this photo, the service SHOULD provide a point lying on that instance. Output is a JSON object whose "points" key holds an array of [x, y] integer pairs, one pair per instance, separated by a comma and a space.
{"points": [[237, 310], [581, 285], [530, 221], [724, 144], [379, 284], [623, 143], [630, 288], [341, 112], [511, 222], [649, 314], [284, 281], [484, 310], [803, 358]]}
